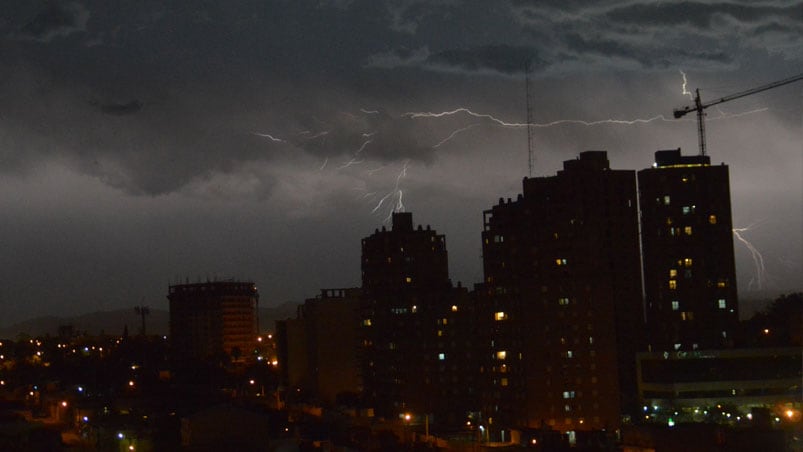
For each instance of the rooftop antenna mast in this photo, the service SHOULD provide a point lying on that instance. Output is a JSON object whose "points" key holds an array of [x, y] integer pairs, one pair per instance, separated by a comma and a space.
{"points": [[530, 127]]}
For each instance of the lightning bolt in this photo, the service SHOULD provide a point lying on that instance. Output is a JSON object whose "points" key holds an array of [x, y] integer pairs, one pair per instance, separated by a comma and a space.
{"points": [[758, 259], [453, 134], [351, 162], [369, 112], [683, 87], [416, 115], [325, 161], [268, 136]]}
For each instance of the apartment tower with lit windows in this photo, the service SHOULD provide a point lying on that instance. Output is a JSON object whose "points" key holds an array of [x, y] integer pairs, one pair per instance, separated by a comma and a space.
{"points": [[687, 245], [563, 300], [416, 329]]}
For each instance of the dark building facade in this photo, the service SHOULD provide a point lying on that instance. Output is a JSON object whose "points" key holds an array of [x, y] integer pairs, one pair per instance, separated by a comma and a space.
{"points": [[212, 321], [562, 299], [687, 243], [416, 328], [319, 348]]}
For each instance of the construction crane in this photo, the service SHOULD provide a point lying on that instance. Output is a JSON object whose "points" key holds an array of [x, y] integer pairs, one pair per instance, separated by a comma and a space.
{"points": [[699, 106]]}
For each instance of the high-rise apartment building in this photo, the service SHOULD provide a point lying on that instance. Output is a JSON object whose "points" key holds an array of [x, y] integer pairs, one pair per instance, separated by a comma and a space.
{"points": [[213, 321], [416, 328], [687, 241], [563, 300]]}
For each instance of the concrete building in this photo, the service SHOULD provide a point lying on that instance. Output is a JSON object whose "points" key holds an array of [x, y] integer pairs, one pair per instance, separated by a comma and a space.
{"points": [[725, 386], [689, 265], [416, 328], [319, 348], [212, 322], [563, 300]]}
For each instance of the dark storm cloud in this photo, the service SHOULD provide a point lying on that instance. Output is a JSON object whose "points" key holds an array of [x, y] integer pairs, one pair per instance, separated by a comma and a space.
{"points": [[504, 59], [702, 14], [119, 109], [55, 20]]}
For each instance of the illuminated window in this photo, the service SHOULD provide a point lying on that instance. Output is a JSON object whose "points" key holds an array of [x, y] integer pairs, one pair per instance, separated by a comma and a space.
{"points": [[568, 394], [499, 239], [673, 273], [590, 340], [722, 303], [673, 284], [408, 279], [687, 230], [440, 333], [569, 354], [444, 321], [712, 219], [677, 346], [666, 200], [563, 301], [725, 334], [687, 315], [561, 262], [721, 284], [556, 236], [687, 262], [390, 260], [503, 382], [501, 355], [567, 408], [500, 315], [675, 305], [415, 309], [454, 308], [668, 221], [366, 322], [441, 356]]}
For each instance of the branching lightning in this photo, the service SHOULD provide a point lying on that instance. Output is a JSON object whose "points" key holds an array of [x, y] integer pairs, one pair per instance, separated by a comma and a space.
{"points": [[416, 115], [454, 133], [685, 92], [268, 136], [758, 259]]}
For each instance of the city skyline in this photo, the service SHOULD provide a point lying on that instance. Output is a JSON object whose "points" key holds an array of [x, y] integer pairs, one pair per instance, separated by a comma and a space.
{"points": [[146, 146]]}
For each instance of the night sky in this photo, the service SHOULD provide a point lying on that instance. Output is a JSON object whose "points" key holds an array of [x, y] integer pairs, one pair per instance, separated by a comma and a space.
{"points": [[142, 144]]}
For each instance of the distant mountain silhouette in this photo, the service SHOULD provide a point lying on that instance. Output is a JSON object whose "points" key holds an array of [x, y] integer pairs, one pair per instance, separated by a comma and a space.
{"points": [[113, 322]]}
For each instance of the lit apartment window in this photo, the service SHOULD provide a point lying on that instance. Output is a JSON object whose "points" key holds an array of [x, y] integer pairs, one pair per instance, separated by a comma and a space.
{"points": [[725, 334], [440, 333], [503, 382], [560, 262], [721, 284], [687, 262], [444, 321], [687, 230], [567, 408], [677, 346], [563, 301], [501, 355], [673, 273], [569, 354], [722, 304], [441, 356], [687, 315], [712, 219], [499, 239], [669, 221], [686, 210], [675, 305], [408, 279], [673, 284], [666, 200], [500, 315], [414, 309], [590, 340], [454, 308], [568, 394]]}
